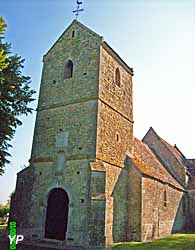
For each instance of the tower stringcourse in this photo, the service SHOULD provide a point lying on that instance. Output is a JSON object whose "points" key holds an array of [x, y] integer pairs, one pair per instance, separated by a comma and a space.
{"points": [[78, 10]]}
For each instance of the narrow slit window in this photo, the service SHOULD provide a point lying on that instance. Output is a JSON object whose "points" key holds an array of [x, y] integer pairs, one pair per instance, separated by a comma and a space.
{"points": [[165, 198], [117, 77], [68, 70]]}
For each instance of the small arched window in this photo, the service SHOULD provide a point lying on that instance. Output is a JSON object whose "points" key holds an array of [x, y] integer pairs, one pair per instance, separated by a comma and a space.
{"points": [[117, 77], [68, 70]]}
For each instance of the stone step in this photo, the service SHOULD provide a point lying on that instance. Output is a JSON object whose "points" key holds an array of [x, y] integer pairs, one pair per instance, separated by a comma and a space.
{"points": [[40, 245], [47, 244]]}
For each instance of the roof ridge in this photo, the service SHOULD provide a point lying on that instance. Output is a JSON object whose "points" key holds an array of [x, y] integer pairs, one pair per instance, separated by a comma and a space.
{"points": [[117, 57], [85, 27], [151, 129], [175, 146], [138, 156], [167, 145]]}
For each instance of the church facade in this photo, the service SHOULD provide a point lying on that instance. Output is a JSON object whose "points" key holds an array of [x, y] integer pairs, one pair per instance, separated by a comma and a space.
{"points": [[90, 183]]}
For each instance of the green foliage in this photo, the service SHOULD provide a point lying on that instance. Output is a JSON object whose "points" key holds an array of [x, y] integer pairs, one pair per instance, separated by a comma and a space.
{"points": [[173, 242], [2, 25], [3, 63], [15, 96], [4, 210]]}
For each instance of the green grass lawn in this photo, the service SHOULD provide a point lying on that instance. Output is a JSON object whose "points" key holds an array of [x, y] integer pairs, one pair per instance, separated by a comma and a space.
{"points": [[173, 242], [2, 229]]}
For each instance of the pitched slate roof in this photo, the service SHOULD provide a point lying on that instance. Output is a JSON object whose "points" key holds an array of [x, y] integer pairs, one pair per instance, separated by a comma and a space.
{"points": [[189, 163], [174, 150], [171, 157], [147, 163]]}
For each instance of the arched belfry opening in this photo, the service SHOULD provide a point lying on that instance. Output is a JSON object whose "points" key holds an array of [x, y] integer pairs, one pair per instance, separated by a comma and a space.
{"points": [[57, 215], [68, 71]]}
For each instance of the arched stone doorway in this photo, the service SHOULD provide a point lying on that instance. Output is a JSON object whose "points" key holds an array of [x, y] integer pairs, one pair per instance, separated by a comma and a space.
{"points": [[57, 215]]}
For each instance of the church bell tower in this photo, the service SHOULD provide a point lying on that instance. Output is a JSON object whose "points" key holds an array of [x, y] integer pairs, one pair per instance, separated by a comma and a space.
{"points": [[83, 131]]}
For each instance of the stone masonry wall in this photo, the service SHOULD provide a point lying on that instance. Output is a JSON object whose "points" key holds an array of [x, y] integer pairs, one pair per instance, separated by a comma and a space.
{"points": [[64, 140], [114, 134], [97, 205], [67, 108], [119, 98], [135, 203], [116, 204], [57, 91], [74, 178], [190, 222], [21, 201], [123, 203], [115, 114], [114, 141], [70, 129], [157, 219]]}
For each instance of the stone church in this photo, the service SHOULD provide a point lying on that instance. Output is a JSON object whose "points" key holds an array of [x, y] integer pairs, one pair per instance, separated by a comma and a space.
{"points": [[90, 183]]}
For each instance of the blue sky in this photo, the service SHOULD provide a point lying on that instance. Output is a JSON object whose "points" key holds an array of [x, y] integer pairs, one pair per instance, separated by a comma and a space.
{"points": [[155, 37]]}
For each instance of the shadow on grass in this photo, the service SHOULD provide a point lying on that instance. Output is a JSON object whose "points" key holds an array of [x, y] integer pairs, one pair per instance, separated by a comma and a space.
{"points": [[173, 242]]}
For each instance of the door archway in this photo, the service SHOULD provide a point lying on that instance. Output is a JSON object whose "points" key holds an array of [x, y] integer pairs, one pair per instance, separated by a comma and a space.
{"points": [[57, 215]]}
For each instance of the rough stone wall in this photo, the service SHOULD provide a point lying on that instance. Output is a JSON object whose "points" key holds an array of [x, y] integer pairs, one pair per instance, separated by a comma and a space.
{"points": [[21, 201], [70, 129], [64, 140], [135, 204], [116, 217], [69, 103], [65, 131], [114, 141], [97, 205], [190, 222], [29, 204], [119, 98], [158, 220], [74, 178], [83, 50], [165, 156], [114, 133], [114, 125]]}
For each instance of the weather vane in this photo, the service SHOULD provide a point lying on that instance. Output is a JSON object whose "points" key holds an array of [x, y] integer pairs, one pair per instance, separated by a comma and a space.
{"points": [[78, 10]]}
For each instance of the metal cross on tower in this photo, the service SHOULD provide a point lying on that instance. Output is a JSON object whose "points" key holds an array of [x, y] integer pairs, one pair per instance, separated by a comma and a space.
{"points": [[78, 10]]}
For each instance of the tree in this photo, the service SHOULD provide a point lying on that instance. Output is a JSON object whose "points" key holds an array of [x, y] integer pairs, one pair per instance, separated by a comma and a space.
{"points": [[3, 63], [4, 209], [15, 96]]}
